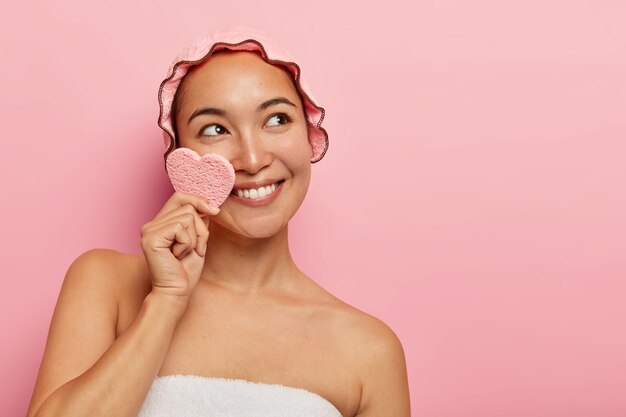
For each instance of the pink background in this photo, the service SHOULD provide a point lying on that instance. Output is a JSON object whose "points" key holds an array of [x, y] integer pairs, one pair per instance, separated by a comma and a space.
{"points": [[473, 195]]}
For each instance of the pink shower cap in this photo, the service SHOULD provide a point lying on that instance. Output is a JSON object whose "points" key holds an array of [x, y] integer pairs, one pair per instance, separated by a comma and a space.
{"points": [[238, 39]]}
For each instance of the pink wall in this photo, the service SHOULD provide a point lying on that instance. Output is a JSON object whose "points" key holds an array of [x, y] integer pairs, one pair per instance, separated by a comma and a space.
{"points": [[472, 197]]}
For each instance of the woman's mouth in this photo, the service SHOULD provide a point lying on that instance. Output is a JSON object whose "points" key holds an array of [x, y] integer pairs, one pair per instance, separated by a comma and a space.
{"points": [[261, 194]]}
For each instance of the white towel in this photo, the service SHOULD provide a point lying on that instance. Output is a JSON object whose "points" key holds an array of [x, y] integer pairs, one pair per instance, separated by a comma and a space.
{"points": [[196, 396]]}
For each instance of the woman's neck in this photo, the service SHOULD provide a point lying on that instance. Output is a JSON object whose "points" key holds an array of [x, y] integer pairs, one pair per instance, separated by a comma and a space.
{"points": [[247, 265]]}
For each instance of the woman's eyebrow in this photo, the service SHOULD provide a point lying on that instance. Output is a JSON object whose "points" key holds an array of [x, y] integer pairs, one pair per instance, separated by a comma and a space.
{"points": [[207, 110], [219, 112], [273, 102]]}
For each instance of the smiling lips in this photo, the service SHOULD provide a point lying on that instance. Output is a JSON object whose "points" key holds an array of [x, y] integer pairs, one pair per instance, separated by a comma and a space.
{"points": [[255, 194]]}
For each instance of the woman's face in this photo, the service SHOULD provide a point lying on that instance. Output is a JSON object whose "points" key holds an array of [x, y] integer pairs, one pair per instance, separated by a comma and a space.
{"points": [[249, 111]]}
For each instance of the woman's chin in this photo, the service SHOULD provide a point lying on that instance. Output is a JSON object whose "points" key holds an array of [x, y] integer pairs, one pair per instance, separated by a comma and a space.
{"points": [[253, 229], [259, 231]]}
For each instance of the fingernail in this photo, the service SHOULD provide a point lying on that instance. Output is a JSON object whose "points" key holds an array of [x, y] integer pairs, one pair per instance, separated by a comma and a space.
{"points": [[211, 207]]}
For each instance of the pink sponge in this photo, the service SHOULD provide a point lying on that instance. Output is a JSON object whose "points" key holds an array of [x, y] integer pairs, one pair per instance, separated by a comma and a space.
{"points": [[210, 176]]}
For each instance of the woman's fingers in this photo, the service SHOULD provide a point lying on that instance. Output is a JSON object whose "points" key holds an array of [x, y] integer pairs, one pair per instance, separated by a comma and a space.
{"points": [[177, 233], [201, 231], [182, 240], [174, 242]]}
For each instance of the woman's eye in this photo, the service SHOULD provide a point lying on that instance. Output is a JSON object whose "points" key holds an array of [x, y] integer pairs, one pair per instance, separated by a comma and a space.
{"points": [[278, 119], [213, 130]]}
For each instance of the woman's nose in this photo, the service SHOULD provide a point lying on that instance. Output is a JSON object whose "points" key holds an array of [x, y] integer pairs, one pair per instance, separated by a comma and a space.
{"points": [[251, 154]]}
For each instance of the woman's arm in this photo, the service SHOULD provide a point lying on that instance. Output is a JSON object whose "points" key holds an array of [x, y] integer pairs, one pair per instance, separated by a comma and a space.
{"points": [[85, 370]]}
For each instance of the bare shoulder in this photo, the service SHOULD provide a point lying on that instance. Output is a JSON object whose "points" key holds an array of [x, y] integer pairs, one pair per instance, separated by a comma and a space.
{"points": [[381, 364], [369, 336], [85, 317], [361, 327], [116, 281], [358, 327], [118, 272], [377, 356]]}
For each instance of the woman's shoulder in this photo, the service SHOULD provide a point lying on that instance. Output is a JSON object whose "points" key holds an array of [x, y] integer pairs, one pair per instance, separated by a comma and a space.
{"points": [[122, 273], [360, 329], [365, 329], [375, 353], [111, 259]]}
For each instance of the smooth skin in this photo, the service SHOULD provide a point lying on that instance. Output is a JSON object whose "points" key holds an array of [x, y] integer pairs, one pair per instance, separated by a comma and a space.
{"points": [[216, 291]]}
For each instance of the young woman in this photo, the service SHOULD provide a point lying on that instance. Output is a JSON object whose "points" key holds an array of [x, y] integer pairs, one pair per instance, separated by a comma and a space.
{"points": [[214, 318]]}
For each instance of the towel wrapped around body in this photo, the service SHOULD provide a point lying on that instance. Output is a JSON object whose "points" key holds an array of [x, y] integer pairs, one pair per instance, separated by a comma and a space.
{"points": [[196, 396]]}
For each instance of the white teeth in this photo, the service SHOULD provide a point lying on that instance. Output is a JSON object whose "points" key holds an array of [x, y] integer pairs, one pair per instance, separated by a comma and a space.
{"points": [[256, 193]]}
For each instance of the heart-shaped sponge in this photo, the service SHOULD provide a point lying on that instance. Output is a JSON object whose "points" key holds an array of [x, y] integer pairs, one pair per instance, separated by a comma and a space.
{"points": [[210, 176]]}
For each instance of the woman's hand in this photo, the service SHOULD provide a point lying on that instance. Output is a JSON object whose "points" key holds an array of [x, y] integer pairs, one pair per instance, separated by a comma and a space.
{"points": [[174, 243]]}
